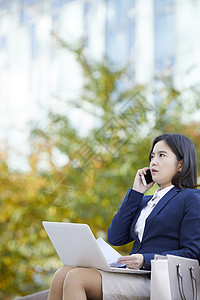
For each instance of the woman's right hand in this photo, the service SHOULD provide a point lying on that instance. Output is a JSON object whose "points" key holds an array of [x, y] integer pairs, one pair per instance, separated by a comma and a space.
{"points": [[138, 184]]}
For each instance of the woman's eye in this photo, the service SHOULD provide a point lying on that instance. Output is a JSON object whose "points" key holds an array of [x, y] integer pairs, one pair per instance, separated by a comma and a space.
{"points": [[161, 154]]}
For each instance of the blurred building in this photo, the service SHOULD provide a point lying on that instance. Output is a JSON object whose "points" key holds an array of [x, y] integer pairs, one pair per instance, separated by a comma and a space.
{"points": [[152, 35]]}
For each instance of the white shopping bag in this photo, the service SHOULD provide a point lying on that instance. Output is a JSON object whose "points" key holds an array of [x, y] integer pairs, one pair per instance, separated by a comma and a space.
{"points": [[175, 278], [160, 285]]}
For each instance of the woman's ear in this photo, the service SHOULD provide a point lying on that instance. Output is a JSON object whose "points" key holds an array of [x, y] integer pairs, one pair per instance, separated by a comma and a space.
{"points": [[180, 165]]}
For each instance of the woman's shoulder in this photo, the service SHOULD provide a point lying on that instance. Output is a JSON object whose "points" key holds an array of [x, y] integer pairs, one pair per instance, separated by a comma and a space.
{"points": [[190, 191], [190, 194]]}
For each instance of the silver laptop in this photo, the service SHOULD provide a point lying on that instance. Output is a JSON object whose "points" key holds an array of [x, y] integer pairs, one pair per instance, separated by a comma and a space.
{"points": [[76, 246]]}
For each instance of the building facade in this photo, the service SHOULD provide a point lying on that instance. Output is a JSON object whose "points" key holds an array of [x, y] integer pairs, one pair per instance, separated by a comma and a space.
{"points": [[152, 35]]}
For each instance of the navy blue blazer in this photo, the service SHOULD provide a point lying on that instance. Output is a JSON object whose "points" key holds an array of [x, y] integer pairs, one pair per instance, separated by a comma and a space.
{"points": [[173, 227]]}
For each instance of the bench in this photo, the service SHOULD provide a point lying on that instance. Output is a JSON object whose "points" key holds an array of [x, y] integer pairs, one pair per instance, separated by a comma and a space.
{"points": [[36, 296]]}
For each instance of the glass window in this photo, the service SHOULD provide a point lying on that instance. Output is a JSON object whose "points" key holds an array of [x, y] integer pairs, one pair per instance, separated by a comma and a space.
{"points": [[87, 9], [87, 6], [24, 15], [33, 38], [161, 6], [4, 4], [164, 34], [3, 42], [120, 30], [29, 2], [59, 3], [27, 13]]}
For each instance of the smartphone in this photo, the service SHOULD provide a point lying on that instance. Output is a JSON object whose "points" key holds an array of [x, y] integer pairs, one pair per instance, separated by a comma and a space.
{"points": [[146, 179]]}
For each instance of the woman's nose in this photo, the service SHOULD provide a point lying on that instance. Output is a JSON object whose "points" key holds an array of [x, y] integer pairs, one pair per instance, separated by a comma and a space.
{"points": [[153, 161]]}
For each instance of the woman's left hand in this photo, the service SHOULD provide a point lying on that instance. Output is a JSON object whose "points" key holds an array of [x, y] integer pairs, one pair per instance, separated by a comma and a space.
{"points": [[134, 261]]}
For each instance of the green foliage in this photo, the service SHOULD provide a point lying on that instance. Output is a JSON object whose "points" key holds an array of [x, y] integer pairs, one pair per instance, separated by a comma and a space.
{"points": [[100, 169]]}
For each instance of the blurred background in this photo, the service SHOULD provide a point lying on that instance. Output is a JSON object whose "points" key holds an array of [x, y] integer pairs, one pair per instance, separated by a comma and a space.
{"points": [[85, 87]]}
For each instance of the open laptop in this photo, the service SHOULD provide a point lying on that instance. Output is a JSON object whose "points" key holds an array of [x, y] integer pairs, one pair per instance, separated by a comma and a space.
{"points": [[76, 246]]}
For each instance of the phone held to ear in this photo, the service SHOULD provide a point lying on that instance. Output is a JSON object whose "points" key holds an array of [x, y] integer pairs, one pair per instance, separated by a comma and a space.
{"points": [[146, 179]]}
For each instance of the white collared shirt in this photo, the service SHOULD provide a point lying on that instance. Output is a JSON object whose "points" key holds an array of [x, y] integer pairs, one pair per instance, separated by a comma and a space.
{"points": [[140, 224]]}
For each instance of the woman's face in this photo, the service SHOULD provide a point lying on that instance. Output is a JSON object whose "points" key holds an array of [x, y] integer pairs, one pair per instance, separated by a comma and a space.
{"points": [[164, 164]]}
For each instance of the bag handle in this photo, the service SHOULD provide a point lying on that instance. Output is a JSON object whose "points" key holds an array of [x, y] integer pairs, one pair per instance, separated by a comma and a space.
{"points": [[194, 283], [180, 282]]}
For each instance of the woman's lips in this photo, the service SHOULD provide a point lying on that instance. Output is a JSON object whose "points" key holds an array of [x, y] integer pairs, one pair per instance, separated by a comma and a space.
{"points": [[153, 171]]}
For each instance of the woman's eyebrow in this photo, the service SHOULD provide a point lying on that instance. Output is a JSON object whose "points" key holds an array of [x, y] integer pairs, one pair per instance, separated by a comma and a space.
{"points": [[161, 151]]}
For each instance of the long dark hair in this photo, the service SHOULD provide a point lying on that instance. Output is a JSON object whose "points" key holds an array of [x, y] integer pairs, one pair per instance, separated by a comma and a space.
{"points": [[184, 150]]}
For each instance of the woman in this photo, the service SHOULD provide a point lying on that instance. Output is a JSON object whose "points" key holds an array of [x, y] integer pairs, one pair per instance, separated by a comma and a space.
{"points": [[166, 223]]}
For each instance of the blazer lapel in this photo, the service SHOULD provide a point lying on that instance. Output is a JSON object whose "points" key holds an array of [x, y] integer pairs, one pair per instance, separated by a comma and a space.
{"points": [[143, 204], [164, 200]]}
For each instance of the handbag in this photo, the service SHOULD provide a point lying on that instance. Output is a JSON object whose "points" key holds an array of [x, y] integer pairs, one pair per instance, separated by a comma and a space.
{"points": [[174, 278]]}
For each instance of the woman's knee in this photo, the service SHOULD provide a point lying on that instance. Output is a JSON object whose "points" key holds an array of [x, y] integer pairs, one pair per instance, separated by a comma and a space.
{"points": [[60, 274], [87, 279], [73, 277]]}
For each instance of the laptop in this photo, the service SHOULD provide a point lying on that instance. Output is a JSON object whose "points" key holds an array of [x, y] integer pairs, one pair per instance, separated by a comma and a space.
{"points": [[76, 246]]}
